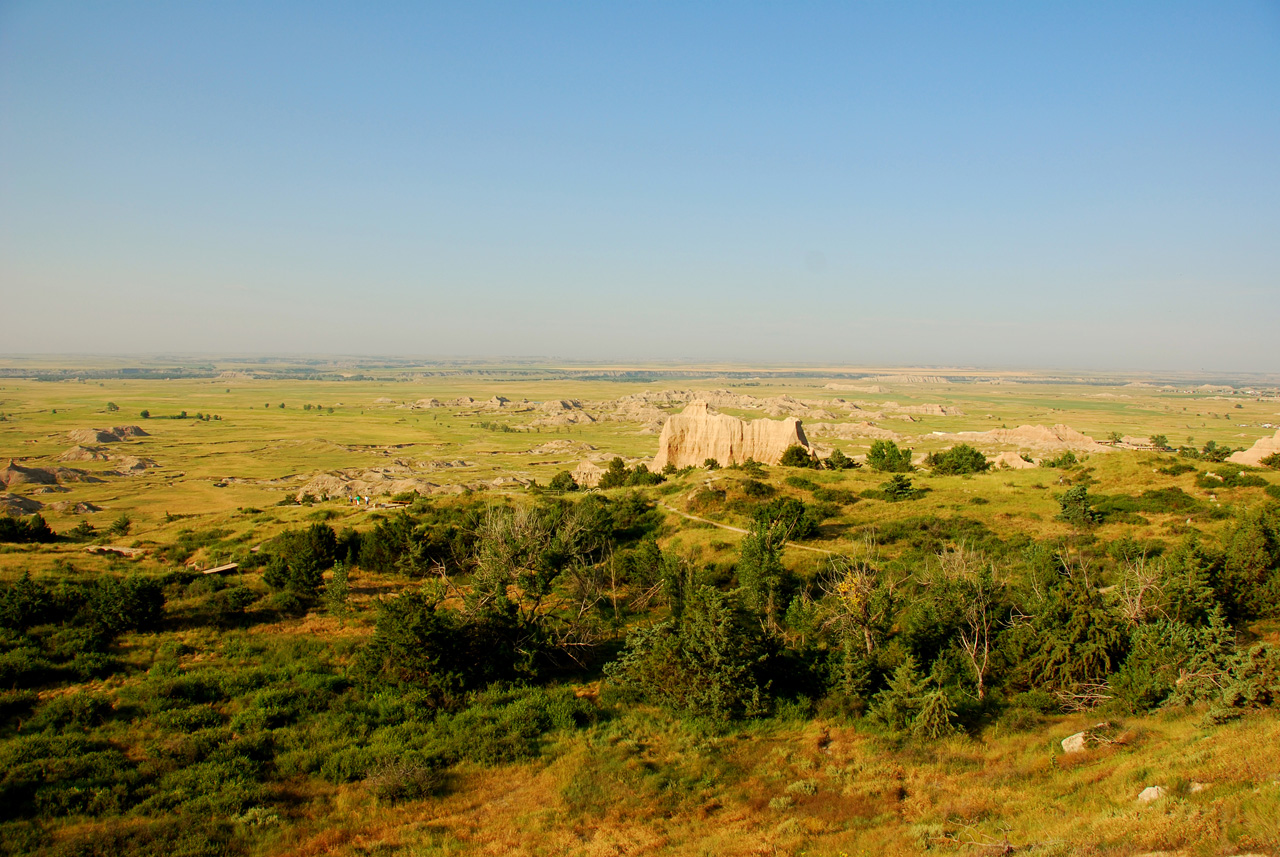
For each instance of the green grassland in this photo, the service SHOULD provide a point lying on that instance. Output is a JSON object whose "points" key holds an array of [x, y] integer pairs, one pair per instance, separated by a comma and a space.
{"points": [[251, 716]]}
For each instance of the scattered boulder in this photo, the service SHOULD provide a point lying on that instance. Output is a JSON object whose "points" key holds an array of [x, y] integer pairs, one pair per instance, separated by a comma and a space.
{"points": [[1261, 449], [1151, 794], [1076, 743], [696, 434]]}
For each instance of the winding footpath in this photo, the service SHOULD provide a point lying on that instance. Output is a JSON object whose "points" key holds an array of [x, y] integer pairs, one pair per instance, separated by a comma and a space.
{"points": [[739, 529]]}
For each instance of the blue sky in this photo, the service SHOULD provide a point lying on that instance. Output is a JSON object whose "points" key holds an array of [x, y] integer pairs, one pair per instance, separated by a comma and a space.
{"points": [[1091, 185]]}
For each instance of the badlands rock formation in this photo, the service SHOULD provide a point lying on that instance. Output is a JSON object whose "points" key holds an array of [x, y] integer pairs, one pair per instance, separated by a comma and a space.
{"points": [[1055, 439], [1253, 455], [696, 434], [111, 435]]}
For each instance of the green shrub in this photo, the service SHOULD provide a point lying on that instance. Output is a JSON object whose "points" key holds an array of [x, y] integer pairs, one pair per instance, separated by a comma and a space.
{"points": [[1066, 460], [960, 459], [32, 529], [798, 456], [886, 457], [710, 662], [563, 481], [839, 496], [839, 461]]}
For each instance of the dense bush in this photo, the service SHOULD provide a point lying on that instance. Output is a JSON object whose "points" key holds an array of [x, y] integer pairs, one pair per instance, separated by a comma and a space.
{"points": [[710, 662], [886, 457], [960, 459], [32, 529], [798, 456]]}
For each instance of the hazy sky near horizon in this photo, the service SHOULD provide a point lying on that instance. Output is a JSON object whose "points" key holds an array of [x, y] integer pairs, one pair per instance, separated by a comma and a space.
{"points": [[1092, 185]]}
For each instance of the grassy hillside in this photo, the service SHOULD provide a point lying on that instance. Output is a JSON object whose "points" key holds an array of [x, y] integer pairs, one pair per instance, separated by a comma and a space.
{"points": [[685, 667]]}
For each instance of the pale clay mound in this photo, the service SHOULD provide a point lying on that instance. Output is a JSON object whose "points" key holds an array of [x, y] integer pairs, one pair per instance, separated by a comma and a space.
{"points": [[850, 431], [588, 474], [695, 434], [1059, 438], [1013, 461], [1261, 449]]}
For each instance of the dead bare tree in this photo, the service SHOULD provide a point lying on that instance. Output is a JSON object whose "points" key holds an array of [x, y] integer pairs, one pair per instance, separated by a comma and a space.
{"points": [[975, 579], [1139, 587]]}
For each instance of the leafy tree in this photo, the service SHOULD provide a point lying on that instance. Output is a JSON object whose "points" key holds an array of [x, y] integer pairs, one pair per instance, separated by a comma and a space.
{"points": [[126, 604], [1272, 461], [112, 407], [1212, 452], [563, 481], [1076, 507], [298, 559], [711, 464], [960, 459], [886, 457], [338, 589], [1075, 638], [839, 461], [793, 518], [121, 525], [908, 704], [145, 414], [798, 456], [32, 529], [418, 644], [709, 662], [1160, 441], [1249, 581], [761, 574], [899, 487]]}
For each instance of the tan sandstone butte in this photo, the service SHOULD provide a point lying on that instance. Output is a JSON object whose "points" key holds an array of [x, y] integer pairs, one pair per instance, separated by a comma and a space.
{"points": [[696, 434], [1261, 449]]}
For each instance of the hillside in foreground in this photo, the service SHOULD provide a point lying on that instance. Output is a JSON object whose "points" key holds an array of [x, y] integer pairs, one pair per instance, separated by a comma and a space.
{"points": [[880, 656]]}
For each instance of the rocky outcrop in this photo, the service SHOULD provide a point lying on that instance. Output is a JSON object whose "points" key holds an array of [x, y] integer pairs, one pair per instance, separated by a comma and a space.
{"points": [[16, 474], [1055, 439], [696, 434], [111, 435], [588, 474], [852, 431], [1253, 455], [83, 453], [13, 504]]}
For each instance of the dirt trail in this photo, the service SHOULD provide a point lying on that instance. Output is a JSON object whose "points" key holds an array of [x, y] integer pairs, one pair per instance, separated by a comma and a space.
{"points": [[739, 529]]}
